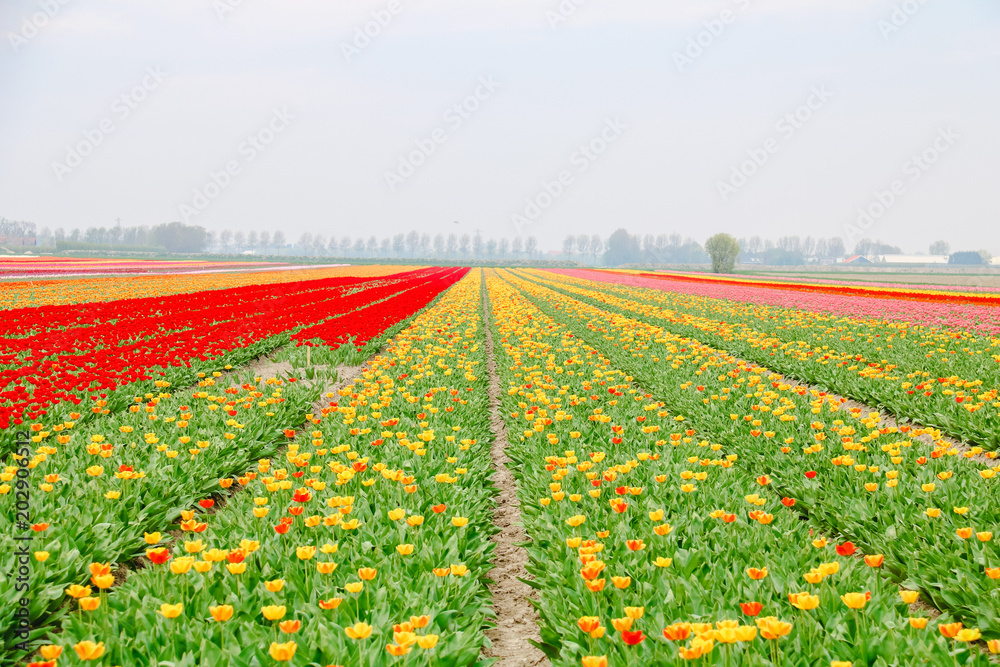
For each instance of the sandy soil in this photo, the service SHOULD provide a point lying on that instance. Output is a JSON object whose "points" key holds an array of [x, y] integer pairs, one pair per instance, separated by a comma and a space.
{"points": [[516, 620]]}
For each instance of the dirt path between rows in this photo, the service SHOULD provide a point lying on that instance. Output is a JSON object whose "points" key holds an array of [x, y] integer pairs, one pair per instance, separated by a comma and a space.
{"points": [[516, 620]]}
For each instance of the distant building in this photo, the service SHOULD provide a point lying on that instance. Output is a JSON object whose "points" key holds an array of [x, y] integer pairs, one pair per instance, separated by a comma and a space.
{"points": [[17, 240], [912, 259], [856, 259]]}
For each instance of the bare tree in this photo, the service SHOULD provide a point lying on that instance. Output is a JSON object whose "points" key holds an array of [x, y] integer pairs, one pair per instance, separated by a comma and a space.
{"points": [[464, 244], [425, 245], [385, 247], [809, 246], [451, 245], [835, 247], [822, 248], [517, 246], [372, 246], [359, 247], [240, 241], [940, 248], [253, 240], [439, 245], [596, 245], [531, 246], [413, 243], [265, 241], [569, 245], [345, 246], [399, 244], [477, 244], [319, 244], [305, 242], [503, 247], [278, 239]]}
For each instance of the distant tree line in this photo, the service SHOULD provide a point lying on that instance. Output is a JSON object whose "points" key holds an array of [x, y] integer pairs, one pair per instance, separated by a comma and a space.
{"points": [[412, 245], [16, 228], [625, 248], [173, 237]]}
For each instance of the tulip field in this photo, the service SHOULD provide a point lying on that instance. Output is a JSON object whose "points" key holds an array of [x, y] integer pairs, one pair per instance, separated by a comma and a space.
{"points": [[298, 468]]}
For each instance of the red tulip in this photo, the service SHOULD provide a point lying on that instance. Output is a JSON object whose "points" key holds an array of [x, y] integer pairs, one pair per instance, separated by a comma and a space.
{"points": [[633, 637], [846, 549]]}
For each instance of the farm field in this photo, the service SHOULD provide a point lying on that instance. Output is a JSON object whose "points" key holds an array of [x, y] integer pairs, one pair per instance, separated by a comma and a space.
{"points": [[310, 467]]}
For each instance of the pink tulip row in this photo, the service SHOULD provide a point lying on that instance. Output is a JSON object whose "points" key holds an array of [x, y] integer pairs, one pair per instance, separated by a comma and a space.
{"points": [[980, 319]]}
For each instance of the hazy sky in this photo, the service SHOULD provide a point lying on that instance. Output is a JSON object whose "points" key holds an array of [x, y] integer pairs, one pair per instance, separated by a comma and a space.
{"points": [[135, 109]]}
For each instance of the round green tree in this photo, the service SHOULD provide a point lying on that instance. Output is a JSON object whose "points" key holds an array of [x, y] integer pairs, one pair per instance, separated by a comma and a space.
{"points": [[723, 249]]}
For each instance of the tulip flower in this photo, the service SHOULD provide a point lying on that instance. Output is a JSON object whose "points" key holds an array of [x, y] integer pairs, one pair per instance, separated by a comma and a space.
{"points": [[273, 612], [751, 608], [854, 600], [909, 597], [171, 610], [677, 632], [756, 574], [594, 661], [772, 628], [282, 652], [633, 638], [89, 603], [846, 549], [51, 651], [77, 591], [290, 627], [874, 560], [221, 613], [918, 623], [427, 642], [88, 650], [359, 630], [804, 601], [950, 630]]}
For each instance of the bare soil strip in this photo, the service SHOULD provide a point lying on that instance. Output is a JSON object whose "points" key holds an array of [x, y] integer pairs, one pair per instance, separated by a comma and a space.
{"points": [[516, 620]]}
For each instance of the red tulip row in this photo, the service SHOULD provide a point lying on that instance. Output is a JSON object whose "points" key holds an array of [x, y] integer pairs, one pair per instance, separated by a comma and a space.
{"points": [[122, 342], [360, 326]]}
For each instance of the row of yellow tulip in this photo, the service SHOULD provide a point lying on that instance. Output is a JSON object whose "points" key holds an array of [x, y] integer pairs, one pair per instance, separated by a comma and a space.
{"points": [[876, 487], [364, 542], [652, 545], [942, 377]]}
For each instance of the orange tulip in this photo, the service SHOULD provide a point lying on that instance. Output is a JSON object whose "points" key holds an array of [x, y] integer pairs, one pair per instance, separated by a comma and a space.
{"points": [[950, 630]]}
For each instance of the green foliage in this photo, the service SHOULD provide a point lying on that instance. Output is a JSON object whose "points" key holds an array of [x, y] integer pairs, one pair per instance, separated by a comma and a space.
{"points": [[723, 249]]}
